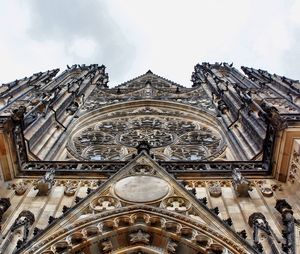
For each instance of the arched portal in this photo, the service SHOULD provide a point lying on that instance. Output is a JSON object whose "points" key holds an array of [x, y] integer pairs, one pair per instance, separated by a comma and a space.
{"points": [[138, 229]]}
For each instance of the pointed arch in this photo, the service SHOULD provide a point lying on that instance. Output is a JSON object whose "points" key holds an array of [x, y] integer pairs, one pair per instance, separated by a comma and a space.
{"points": [[138, 226]]}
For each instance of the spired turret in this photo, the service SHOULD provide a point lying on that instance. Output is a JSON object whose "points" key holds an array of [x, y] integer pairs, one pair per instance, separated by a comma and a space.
{"points": [[150, 165]]}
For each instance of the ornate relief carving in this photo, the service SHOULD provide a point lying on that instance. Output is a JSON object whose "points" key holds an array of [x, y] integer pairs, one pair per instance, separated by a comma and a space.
{"points": [[142, 226], [158, 88], [20, 187], [172, 138], [70, 188], [171, 246], [176, 204], [139, 237], [294, 167], [215, 190], [103, 203], [142, 169], [106, 246]]}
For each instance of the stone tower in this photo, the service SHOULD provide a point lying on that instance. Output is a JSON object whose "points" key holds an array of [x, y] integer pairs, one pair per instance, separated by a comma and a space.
{"points": [[150, 166]]}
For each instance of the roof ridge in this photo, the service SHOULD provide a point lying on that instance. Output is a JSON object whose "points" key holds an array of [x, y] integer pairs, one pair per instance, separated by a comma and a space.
{"points": [[147, 73]]}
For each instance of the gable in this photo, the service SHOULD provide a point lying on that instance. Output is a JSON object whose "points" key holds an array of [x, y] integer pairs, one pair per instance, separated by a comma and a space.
{"points": [[141, 197]]}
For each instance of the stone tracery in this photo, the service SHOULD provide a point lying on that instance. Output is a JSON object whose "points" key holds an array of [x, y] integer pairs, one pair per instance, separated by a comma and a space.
{"points": [[170, 137]]}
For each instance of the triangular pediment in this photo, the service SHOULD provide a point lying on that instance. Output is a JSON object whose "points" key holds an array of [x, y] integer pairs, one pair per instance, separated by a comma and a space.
{"points": [[149, 78], [148, 86], [141, 189]]}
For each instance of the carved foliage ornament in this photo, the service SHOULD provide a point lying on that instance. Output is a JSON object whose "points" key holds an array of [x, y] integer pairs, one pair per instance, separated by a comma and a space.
{"points": [[142, 225]]}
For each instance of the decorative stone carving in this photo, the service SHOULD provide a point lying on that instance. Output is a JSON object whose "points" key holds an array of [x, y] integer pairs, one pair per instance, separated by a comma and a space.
{"points": [[104, 203], [142, 169], [20, 188], [119, 138], [177, 204], [106, 245], [294, 167], [20, 145], [258, 222], [288, 220], [143, 146], [171, 246], [273, 116], [142, 222], [140, 237], [45, 184], [61, 247], [70, 188], [18, 115], [215, 190], [154, 137], [240, 183], [25, 220], [267, 191], [75, 238], [4, 205]]}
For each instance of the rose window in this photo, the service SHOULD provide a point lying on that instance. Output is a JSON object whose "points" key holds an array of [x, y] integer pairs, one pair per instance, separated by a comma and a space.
{"points": [[171, 137]]}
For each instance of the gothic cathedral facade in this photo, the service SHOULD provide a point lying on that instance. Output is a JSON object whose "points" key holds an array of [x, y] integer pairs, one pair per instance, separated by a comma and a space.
{"points": [[150, 166]]}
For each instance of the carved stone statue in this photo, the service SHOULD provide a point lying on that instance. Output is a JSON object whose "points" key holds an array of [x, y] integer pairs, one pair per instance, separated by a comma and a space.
{"points": [[25, 220], [45, 184], [272, 115], [258, 221], [288, 220], [240, 183]]}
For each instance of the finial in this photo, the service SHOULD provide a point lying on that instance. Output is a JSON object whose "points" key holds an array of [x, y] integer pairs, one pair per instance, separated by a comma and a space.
{"points": [[149, 72]]}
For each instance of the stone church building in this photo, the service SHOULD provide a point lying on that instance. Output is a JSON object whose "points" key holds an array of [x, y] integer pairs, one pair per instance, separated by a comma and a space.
{"points": [[150, 166]]}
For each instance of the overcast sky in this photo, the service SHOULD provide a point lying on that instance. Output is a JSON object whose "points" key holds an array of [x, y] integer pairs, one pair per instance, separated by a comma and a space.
{"points": [[167, 36]]}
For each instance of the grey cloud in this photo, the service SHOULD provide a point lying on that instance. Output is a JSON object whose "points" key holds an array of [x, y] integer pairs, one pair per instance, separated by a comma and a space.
{"points": [[291, 57], [67, 20]]}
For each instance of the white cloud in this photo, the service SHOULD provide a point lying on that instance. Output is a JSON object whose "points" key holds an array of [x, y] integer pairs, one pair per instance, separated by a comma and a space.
{"points": [[83, 48], [132, 36]]}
